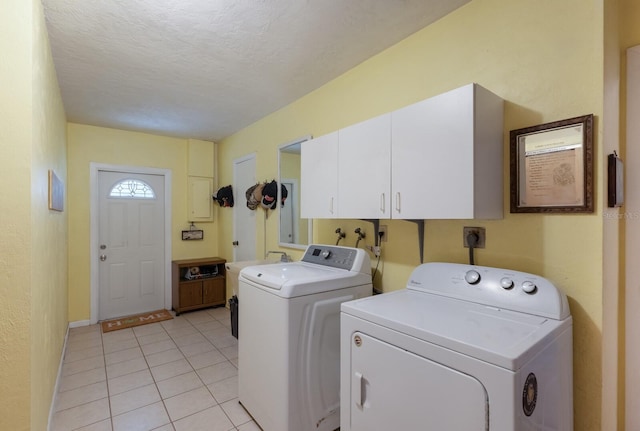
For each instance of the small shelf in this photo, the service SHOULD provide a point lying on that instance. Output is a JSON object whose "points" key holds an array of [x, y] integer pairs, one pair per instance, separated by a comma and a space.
{"points": [[198, 283]]}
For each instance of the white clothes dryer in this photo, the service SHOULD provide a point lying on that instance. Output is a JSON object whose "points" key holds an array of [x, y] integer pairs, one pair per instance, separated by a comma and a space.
{"points": [[289, 336], [461, 348]]}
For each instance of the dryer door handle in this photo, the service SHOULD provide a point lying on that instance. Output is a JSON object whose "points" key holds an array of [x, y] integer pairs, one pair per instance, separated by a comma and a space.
{"points": [[359, 393]]}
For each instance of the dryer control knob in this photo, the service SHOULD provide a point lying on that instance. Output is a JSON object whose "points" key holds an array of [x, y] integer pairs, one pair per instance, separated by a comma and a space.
{"points": [[472, 277], [529, 287], [326, 254], [506, 283]]}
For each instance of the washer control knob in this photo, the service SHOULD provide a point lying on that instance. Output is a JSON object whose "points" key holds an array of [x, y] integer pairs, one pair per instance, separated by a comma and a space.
{"points": [[506, 283], [326, 254], [472, 277], [529, 287]]}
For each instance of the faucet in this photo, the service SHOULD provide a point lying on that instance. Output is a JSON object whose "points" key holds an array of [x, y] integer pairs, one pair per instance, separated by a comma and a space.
{"points": [[284, 258], [361, 235]]}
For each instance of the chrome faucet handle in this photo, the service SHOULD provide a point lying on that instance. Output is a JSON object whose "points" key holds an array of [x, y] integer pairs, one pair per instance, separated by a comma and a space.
{"points": [[284, 257]]}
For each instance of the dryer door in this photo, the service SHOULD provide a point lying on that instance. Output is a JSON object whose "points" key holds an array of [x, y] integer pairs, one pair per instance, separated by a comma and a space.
{"points": [[395, 389]]}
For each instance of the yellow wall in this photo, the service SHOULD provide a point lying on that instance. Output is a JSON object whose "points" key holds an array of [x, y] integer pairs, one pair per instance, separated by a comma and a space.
{"points": [[88, 144], [547, 68], [15, 237], [49, 304], [33, 257]]}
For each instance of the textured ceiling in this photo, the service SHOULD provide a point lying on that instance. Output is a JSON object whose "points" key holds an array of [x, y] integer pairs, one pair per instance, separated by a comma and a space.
{"points": [[208, 68]]}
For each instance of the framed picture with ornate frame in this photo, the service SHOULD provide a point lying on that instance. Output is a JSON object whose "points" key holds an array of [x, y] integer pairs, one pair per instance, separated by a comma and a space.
{"points": [[552, 167]]}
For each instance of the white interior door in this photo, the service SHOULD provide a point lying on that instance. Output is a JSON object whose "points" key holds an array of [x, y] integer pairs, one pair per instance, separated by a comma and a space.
{"points": [[131, 273], [244, 219]]}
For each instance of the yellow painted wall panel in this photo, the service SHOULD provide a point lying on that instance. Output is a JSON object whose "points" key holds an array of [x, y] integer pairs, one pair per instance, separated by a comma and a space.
{"points": [[49, 282], [200, 160], [88, 144], [16, 106], [33, 284]]}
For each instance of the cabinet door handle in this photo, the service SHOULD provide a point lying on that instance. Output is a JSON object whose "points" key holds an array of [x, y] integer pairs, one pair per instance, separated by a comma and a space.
{"points": [[382, 203], [398, 201], [331, 205]]}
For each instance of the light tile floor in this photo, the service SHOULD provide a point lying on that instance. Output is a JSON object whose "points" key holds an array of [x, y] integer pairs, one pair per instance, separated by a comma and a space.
{"points": [[176, 375]]}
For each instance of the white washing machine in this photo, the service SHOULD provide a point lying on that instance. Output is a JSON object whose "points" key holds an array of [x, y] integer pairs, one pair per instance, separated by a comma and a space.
{"points": [[461, 348], [289, 336]]}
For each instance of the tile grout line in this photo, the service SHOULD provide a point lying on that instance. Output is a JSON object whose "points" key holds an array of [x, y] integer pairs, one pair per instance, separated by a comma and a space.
{"points": [[165, 331], [106, 376]]}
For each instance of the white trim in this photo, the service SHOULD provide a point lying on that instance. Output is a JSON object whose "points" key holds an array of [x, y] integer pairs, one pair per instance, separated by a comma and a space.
{"points": [[94, 204], [295, 185], [52, 407], [79, 323], [309, 221]]}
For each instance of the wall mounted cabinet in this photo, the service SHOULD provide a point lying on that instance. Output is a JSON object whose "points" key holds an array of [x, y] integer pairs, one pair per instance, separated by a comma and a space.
{"points": [[447, 154], [319, 177], [364, 155], [199, 201], [440, 158]]}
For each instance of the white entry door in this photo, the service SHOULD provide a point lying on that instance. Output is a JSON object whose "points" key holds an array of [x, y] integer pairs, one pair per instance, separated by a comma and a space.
{"points": [[244, 219], [131, 241]]}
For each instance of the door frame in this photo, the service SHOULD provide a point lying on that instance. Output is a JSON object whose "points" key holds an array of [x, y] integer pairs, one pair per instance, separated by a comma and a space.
{"points": [[632, 250], [236, 162], [94, 168], [295, 213]]}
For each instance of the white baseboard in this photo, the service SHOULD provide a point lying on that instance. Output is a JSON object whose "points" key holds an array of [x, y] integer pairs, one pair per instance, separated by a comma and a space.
{"points": [[79, 323]]}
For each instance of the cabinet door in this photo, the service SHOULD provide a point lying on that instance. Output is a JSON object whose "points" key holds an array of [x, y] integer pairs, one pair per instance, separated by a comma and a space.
{"points": [[190, 293], [200, 203], [213, 291], [413, 394], [319, 177], [364, 164], [432, 157]]}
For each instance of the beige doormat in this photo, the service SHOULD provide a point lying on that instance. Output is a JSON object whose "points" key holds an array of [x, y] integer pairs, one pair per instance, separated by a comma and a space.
{"points": [[137, 320]]}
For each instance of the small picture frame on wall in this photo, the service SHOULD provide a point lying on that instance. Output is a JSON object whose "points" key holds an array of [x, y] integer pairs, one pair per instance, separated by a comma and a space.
{"points": [[615, 179], [192, 234], [552, 167], [56, 192]]}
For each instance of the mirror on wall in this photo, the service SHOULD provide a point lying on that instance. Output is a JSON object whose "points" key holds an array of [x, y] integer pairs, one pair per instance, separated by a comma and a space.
{"points": [[293, 231]]}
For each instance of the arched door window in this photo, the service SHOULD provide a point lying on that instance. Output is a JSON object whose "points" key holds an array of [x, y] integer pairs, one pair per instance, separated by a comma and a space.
{"points": [[131, 188]]}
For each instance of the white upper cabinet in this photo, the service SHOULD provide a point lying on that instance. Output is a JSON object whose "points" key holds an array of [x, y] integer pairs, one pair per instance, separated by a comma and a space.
{"points": [[440, 158], [364, 186], [319, 177], [446, 159]]}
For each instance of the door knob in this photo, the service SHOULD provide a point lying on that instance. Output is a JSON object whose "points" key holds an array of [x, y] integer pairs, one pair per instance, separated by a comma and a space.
{"points": [[103, 257], [235, 243]]}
